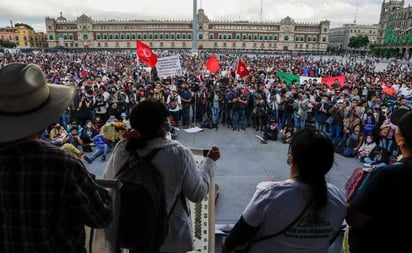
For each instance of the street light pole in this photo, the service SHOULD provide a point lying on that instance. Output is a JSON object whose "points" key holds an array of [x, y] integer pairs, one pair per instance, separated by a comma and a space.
{"points": [[194, 28]]}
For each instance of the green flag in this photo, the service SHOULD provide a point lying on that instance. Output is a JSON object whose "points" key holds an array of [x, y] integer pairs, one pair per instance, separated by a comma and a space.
{"points": [[288, 78]]}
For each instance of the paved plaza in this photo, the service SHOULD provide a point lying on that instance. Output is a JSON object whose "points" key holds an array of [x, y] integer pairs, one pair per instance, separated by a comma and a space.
{"points": [[244, 163]]}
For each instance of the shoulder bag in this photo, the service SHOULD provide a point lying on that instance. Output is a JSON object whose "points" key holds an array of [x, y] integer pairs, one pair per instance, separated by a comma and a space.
{"points": [[246, 248]]}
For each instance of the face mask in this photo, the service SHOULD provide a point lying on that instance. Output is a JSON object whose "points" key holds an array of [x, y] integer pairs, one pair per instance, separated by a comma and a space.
{"points": [[369, 140]]}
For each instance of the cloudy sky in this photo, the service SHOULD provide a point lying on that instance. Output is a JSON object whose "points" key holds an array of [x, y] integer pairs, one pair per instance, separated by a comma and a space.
{"points": [[338, 12]]}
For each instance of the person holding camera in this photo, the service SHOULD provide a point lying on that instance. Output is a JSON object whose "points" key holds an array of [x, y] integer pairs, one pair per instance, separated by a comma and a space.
{"points": [[84, 110], [336, 126]]}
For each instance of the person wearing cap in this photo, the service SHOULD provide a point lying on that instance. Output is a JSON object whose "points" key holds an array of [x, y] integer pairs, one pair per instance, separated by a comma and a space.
{"points": [[174, 104], [125, 120], [379, 213], [47, 195]]}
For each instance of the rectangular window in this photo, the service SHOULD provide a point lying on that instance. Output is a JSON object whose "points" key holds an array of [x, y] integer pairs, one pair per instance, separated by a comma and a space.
{"points": [[286, 37]]}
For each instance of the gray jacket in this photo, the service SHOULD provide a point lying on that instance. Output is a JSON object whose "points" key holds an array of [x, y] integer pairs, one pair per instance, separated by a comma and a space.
{"points": [[180, 172]]}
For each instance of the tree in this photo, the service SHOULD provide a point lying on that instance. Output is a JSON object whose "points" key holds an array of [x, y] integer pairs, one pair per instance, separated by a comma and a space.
{"points": [[25, 25], [358, 41], [7, 44]]}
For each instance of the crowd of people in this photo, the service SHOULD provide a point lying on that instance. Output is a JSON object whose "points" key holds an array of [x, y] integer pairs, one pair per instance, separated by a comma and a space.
{"points": [[68, 97], [355, 113]]}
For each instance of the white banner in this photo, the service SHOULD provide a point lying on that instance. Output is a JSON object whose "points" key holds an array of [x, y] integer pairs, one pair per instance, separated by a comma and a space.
{"points": [[169, 66], [303, 78]]}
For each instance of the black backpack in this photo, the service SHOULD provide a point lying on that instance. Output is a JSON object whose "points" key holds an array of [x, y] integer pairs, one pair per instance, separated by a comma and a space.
{"points": [[143, 218]]}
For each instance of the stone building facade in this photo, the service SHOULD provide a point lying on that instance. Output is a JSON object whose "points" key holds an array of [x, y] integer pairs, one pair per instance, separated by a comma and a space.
{"points": [[285, 35], [339, 37], [395, 27]]}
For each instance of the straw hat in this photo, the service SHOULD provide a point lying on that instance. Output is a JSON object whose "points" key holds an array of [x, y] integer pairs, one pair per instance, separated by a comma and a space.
{"points": [[28, 104]]}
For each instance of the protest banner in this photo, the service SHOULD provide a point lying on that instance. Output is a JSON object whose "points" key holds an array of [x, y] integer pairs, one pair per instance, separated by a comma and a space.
{"points": [[169, 66]]}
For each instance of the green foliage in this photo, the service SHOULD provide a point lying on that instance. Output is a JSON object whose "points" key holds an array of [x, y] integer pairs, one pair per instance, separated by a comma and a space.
{"points": [[358, 41], [7, 44], [386, 52], [25, 25]]}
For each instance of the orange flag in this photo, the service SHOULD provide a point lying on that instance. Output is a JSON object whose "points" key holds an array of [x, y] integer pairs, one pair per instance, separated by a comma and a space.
{"points": [[146, 54], [212, 64]]}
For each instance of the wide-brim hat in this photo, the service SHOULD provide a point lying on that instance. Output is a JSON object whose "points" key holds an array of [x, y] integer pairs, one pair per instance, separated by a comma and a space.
{"points": [[28, 104]]}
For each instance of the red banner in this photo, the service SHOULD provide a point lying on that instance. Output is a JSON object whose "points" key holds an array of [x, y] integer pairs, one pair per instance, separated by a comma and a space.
{"points": [[332, 79]]}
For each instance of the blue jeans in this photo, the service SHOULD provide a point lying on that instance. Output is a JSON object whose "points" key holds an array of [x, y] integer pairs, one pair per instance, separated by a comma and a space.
{"points": [[335, 132], [176, 117], [99, 151], [371, 162], [320, 126], [299, 123], [215, 115]]}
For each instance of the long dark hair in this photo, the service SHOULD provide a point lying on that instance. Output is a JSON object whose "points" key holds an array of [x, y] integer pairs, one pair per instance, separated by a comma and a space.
{"points": [[313, 154], [405, 125], [147, 120]]}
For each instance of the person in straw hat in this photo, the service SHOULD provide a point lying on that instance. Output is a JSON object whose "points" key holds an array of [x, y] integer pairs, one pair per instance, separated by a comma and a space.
{"points": [[47, 195]]}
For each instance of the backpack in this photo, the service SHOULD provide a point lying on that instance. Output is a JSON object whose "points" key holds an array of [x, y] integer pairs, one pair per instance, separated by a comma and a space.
{"points": [[143, 218]]}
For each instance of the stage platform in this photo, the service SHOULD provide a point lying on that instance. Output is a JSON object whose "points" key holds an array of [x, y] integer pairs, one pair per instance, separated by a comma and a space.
{"points": [[245, 162]]}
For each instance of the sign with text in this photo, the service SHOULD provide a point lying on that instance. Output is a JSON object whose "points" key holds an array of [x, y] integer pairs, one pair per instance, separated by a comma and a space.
{"points": [[169, 66]]}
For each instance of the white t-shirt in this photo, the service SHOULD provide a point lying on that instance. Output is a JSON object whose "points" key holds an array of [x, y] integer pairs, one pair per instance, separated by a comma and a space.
{"points": [[275, 205]]}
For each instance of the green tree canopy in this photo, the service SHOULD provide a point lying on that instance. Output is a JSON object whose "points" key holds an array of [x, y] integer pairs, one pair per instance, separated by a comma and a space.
{"points": [[25, 25], [358, 41], [7, 44]]}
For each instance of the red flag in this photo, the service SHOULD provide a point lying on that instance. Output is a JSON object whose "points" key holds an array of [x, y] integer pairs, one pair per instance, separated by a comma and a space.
{"points": [[212, 64], [146, 54], [241, 69]]}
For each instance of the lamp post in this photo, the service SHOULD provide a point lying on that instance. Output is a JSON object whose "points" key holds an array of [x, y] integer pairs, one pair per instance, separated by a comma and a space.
{"points": [[194, 28]]}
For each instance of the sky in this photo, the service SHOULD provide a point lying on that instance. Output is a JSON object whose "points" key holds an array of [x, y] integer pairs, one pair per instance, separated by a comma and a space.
{"points": [[338, 12]]}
